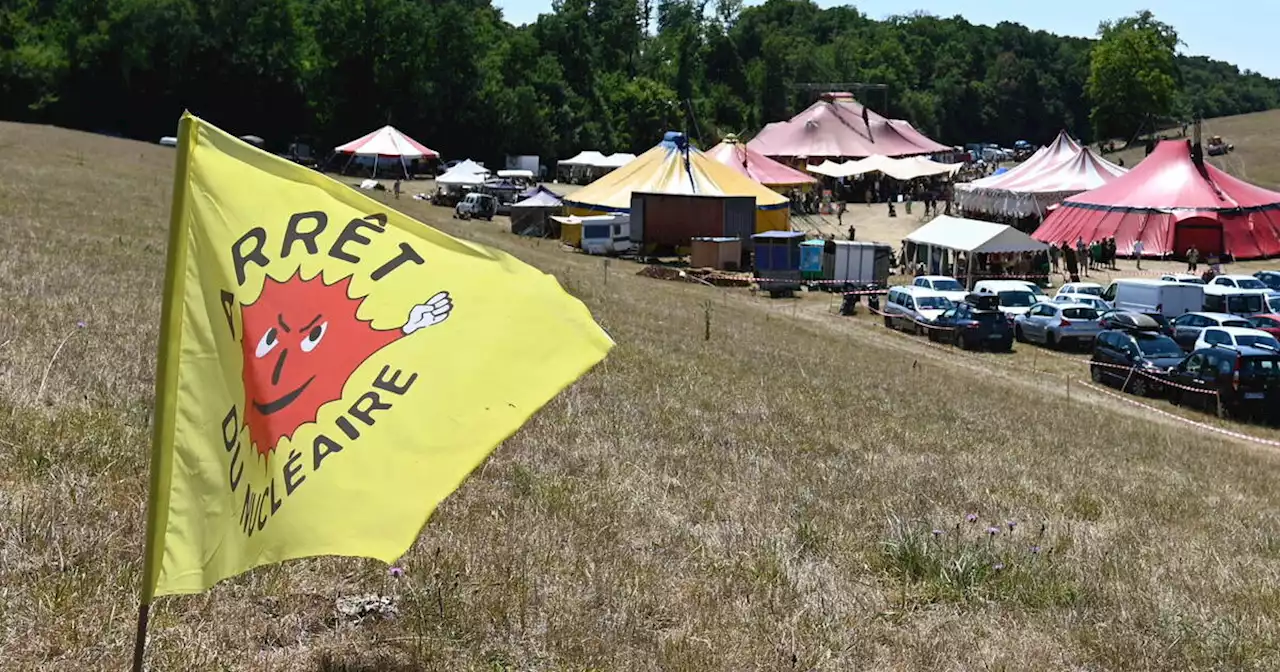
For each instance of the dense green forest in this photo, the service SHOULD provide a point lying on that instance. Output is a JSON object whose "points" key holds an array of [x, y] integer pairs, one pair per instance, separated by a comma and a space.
{"points": [[603, 74]]}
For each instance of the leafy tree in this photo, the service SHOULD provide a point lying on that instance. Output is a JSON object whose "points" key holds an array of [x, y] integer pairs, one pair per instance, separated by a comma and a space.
{"points": [[1133, 75], [589, 74]]}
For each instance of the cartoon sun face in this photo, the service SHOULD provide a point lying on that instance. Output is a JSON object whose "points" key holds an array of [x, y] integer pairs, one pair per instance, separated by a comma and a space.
{"points": [[302, 340]]}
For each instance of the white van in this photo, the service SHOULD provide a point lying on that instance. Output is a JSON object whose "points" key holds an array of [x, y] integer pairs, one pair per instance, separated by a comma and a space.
{"points": [[911, 308], [1144, 295], [1015, 297], [1245, 302]]}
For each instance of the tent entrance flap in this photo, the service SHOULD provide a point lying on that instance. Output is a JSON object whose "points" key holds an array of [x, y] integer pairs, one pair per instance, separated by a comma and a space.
{"points": [[1204, 233]]}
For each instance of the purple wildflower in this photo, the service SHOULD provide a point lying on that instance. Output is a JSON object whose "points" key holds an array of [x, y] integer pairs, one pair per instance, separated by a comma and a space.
{"points": [[1035, 549], [993, 531], [973, 517], [81, 324], [395, 572], [1012, 524], [998, 566], [937, 533]]}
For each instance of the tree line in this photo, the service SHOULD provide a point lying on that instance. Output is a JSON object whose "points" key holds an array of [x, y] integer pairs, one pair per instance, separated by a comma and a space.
{"points": [[590, 74]]}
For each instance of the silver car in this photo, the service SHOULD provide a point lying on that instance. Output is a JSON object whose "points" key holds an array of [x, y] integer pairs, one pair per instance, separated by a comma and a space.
{"points": [[1057, 324]]}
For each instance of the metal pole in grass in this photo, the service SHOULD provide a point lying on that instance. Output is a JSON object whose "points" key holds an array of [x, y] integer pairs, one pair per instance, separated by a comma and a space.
{"points": [[604, 270], [1127, 378], [707, 307]]}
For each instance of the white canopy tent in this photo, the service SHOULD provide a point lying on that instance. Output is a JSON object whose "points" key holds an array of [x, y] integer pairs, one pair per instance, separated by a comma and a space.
{"points": [[971, 236], [465, 173], [900, 169], [617, 160], [589, 158]]}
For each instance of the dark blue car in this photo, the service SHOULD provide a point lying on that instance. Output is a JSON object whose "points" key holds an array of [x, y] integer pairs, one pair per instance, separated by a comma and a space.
{"points": [[973, 328]]}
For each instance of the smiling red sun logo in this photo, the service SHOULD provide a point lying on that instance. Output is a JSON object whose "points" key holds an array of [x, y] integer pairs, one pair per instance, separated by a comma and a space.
{"points": [[302, 340]]}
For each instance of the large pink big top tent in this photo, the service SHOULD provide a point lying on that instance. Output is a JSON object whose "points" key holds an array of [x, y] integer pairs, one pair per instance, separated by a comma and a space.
{"points": [[1057, 171], [757, 166], [836, 127], [387, 143], [1171, 204]]}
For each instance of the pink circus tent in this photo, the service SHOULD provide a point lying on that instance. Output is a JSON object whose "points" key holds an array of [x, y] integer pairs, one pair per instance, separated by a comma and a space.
{"points": [[837, 126], [757, 166], [1059, 170], [1171, 203]]}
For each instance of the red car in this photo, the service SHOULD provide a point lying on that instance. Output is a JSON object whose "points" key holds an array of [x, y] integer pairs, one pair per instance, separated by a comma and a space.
{"points": [[1269, 323]]}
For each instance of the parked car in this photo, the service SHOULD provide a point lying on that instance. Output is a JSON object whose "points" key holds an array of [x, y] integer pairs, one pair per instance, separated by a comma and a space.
{"points": [[942, 284], [1058, 324], [477, 205], [1084, 299], [1036, 291], [1250, 282], [1187, 327], [1092, 288], [1269, 323], [1234, 336], [1015, 298], [970, 327], [913, 308], [1182, 277], [1139, 361], [1269, 278], [1240, 381], [1126, 319], [1238, 282]]}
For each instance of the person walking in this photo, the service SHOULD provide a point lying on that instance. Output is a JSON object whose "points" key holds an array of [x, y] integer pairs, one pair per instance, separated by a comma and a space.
{"points": [[396, 188], [840, 216], [1137, 252]]}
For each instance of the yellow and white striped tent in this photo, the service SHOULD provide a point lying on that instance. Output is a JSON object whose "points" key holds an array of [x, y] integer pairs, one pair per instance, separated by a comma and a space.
{"points": [[674, 167]]}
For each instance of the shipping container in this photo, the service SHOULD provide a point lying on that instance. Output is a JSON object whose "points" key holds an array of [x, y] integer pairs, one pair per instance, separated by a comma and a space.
{"points": [[672, 221]]}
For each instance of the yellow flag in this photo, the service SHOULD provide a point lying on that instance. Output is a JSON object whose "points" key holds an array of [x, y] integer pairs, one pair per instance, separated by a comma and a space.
{"points": [[330, 369]]}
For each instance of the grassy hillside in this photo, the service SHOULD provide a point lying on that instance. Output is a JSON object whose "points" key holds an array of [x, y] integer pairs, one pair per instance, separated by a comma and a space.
{"points": [[1257, 154], [763, 500]]}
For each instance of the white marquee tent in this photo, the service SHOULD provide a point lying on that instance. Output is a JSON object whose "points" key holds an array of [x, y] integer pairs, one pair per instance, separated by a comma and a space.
{"points": [[970, 236]]}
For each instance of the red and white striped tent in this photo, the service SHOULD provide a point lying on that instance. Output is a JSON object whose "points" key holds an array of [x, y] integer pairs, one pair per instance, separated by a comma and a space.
{"points": [[387, 143]]}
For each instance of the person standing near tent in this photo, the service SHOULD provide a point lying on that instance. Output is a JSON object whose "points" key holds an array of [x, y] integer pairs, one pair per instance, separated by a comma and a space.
{"points": [[1069, 260], [1193, 259], [1053, 257], [396, 188], [840, 216], [1137, 252]]}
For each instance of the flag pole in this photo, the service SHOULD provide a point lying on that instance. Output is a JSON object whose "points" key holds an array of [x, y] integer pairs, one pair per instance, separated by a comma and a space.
{"points": [[164, 404], [140, 641]]}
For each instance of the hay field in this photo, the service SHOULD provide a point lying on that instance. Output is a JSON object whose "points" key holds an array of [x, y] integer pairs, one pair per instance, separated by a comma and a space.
{"points": [[765, 500], [1256, 140]]}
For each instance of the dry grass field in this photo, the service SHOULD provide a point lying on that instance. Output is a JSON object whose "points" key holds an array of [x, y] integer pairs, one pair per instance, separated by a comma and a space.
{"points": [[1256, 140], [801, 492]]}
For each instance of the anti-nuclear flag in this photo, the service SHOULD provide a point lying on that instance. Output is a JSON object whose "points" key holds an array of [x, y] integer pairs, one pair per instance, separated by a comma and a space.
{"points": [[330, 369]]}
